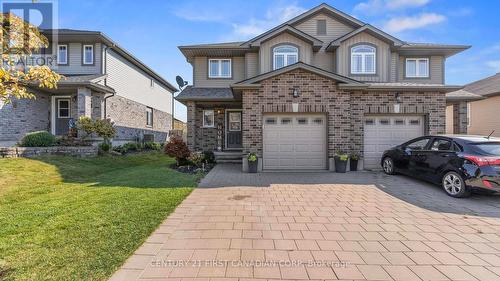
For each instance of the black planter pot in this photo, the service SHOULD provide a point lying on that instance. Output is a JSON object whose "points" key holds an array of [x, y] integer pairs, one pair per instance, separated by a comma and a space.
{"points": [[353, 165], [252, 167], [340, 166]]}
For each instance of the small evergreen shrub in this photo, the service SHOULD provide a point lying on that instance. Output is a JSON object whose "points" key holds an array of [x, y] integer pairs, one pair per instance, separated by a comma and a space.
{"points": [[105, 147], [152, 145], [38, 139]]}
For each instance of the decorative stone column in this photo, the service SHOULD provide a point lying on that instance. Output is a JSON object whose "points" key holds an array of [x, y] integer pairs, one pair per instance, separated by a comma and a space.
{"points": [[191, 121], [84, 101], [460, 118]]}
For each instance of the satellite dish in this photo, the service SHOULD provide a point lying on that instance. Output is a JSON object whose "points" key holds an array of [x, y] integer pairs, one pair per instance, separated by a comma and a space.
{"points": [[180, 82]]}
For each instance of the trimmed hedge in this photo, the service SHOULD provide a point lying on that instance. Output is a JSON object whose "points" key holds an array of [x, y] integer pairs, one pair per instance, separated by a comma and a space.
{"points": [[38, 139]]}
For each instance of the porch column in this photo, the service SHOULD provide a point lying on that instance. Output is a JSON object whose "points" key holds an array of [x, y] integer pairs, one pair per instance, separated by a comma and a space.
{"points": [[84, 102], [460, 118], [191, 121]]}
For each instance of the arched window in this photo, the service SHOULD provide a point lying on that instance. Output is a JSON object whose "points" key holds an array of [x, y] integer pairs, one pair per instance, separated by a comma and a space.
{"points": [[285, 55], [363, 59]]}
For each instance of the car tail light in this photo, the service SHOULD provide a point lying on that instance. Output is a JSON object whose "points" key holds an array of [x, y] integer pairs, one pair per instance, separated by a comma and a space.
{"points": [[483, 160]]}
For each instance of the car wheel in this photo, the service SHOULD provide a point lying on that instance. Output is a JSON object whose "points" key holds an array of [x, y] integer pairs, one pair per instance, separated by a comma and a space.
{"points": [[388, 165], [454, 185]]}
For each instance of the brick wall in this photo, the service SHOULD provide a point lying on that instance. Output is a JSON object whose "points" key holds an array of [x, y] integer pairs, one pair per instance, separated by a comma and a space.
{"points": [[130, 120], [345, 110]]}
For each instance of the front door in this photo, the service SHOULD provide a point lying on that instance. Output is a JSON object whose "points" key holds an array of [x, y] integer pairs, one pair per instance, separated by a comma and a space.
{"points": [[63, 115], [233, 130]]}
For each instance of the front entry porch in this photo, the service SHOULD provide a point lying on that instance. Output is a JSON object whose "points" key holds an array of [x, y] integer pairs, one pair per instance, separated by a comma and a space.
{"points": [[217, 127]]}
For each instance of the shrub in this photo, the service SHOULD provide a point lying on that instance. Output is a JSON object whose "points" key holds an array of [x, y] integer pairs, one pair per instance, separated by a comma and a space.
{"points": [[105, 146], [104, 129], [177, 148], [131, 146], [121, 149], [36, 139], [209, 157], [152, 145], [252, 157], [86, 125], [196, 158]]}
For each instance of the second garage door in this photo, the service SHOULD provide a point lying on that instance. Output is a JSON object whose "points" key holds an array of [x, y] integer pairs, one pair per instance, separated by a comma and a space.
{"points": [[384, 132], [294, 142]]}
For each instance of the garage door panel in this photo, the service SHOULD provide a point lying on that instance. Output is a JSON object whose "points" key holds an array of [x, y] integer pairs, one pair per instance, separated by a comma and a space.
{"points": [[386, 132], [299, 144]]}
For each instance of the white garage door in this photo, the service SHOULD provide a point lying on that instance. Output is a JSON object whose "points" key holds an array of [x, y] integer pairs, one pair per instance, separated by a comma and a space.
{"points": [[384, 132], [294, 142]]}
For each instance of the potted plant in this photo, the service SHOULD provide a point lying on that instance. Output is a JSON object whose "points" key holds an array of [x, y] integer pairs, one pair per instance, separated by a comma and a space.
{"points": [[354, 162], [252, 162], [341, 162]]}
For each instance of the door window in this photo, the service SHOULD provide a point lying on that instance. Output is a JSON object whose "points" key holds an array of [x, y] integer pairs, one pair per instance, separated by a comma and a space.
{"points": [[63, 108], [441, 145], [420, 144], [234, 121]]}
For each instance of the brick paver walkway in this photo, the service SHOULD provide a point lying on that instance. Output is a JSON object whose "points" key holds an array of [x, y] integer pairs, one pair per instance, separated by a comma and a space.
{"points": [[358, 226]]}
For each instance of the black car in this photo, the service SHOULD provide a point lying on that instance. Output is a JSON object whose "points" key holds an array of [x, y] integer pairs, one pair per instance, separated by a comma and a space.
{"points": [[460, 164]]}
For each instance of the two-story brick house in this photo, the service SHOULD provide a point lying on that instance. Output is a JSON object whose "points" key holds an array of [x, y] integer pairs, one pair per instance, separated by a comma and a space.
{"points": [[317, 84], [101, 80]]}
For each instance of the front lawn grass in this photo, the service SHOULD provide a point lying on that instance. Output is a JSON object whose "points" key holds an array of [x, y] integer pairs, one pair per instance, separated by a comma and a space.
{"points": [[64, 218]]}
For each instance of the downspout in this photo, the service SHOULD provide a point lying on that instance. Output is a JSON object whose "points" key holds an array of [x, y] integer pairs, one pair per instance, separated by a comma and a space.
{"points": [[104, 71]]}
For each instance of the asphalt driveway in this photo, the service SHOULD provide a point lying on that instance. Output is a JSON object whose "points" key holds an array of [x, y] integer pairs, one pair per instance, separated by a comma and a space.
{"points": [[321, 226]]}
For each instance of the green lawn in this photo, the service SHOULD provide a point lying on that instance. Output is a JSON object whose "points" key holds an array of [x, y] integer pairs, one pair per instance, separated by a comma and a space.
{"points": [[64, 218]]}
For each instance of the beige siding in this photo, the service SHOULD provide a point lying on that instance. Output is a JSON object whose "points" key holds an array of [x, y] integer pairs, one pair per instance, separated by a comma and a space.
{"points": [[324, 60], [484, 117], [75, 65], [265, 52], [449, 119], [393, 77], [383, 58], [334, 28], [436, 71], [200, 66], [251, 64], [134, 84]]}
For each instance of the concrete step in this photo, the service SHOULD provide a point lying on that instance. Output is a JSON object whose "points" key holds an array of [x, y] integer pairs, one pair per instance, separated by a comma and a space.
{"points": [[226, 161]]}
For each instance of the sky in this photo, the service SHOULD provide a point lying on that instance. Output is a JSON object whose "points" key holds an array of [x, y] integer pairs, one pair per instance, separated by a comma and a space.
{"points": [[152, 29]]}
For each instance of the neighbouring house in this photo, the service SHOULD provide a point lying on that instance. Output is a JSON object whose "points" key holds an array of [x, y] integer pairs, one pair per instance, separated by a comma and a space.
{"points": [[321, 83], [102, 80], [481, 107]]}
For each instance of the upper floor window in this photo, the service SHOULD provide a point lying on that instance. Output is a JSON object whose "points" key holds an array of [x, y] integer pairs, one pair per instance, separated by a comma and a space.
{"points": [[62, 54], [88, 54], [321, 27], [417, 68], [363, 58], [219, 68], [285, 55]]}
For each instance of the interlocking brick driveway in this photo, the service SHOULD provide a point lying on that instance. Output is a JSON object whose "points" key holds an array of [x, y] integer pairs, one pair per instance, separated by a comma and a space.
{"points": [[321, 226]]}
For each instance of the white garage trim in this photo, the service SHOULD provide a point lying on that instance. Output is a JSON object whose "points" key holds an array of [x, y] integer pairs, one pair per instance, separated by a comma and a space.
{"points": [[294, 141], [382, 132]]}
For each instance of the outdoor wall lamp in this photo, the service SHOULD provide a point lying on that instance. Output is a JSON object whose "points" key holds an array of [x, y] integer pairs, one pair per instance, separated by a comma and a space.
{"points": [[296, 93]]}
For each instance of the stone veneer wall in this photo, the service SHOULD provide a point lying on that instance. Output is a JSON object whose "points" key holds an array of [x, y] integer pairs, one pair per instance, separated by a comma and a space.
{"points": [[345, 111], [130, 120], [460, 118], [77, 151], [23, 116], [200, 138]]}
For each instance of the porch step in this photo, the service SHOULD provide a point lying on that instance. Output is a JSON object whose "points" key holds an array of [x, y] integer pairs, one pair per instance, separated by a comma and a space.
{"points": [[230, 161], [228, 156]]}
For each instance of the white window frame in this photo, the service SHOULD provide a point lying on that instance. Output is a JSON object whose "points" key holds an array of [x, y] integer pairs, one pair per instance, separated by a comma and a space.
{"points": [[59, 57], [85, 57], [285, 55], [213, 118], [219, 72], [59, 108], [417, 71], [363, 59], [149, 116]]}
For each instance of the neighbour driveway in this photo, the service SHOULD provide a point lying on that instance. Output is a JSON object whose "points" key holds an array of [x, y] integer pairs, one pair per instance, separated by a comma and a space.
{"points": [[321, 226]]}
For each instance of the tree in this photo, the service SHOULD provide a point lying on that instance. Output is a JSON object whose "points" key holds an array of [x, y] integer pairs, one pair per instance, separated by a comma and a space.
{"points": [[19, 40]]}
